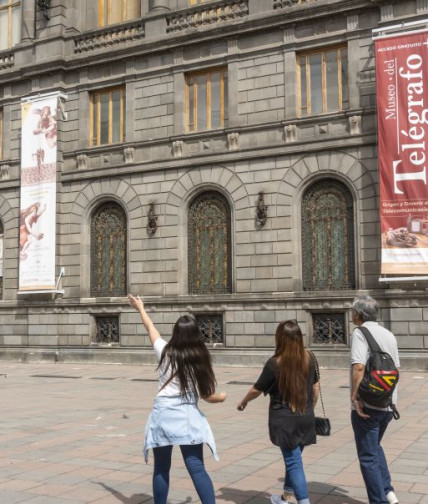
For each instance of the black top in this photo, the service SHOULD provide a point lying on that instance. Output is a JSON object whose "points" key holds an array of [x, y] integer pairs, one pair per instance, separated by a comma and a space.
{"points": [[288, 429]]}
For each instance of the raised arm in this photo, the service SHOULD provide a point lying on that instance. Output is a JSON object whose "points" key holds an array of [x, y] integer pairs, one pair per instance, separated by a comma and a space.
{"points": [[138, 304]]}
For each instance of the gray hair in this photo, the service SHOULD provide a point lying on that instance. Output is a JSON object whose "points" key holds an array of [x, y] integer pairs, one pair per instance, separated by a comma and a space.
{"points": [[366, 307]]}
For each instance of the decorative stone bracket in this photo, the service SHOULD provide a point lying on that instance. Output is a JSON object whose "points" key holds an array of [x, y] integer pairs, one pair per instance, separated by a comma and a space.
{"points": [[177, 148], [4, 172], [290, 133], [129, 154], [355, 125], [82, 161], [233, 141]]}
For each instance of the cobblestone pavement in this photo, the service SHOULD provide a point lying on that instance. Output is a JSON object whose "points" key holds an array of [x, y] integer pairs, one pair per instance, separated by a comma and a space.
{"points": [[72, 434]]}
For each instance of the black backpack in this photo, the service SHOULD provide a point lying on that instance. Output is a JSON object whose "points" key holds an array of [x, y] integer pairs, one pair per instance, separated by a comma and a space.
{"points": [[380, 376]]}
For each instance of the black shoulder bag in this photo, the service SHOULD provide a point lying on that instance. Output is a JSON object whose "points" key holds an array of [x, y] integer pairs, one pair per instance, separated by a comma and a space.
{"points": [[322, 424]]}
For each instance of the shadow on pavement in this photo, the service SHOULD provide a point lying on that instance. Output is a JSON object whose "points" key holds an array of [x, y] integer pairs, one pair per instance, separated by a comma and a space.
{"points": [[136, 498], [331, 494], [133, 499], [238, 496]]}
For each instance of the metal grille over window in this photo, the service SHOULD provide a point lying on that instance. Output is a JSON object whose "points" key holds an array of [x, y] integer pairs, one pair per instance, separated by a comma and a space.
{"points": [[108, 251], [107, 330], [211, 327], [328, 237], [209, 245], [329, 328]]}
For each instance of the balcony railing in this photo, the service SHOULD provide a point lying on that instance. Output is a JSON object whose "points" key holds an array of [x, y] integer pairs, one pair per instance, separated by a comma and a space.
{"points": [[108, 36], [280, 4], [207, 14], [6, 60]]}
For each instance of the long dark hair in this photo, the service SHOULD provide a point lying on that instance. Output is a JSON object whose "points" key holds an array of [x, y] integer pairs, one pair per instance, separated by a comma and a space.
{"points": [[189, 358], [293, 362]]}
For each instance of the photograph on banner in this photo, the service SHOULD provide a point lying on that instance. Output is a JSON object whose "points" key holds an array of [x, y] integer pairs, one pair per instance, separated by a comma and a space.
{"points": [[402, 104], [38, 194]]}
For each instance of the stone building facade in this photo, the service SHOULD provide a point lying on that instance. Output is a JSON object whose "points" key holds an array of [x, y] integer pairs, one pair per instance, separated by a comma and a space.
{"points": [[223, 153]]}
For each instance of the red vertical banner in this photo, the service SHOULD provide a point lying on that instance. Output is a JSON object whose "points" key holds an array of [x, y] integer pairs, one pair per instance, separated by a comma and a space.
{"points": [[402, 105]]}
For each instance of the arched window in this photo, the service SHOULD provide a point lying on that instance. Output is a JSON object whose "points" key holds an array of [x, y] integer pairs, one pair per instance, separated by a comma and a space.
{"points": [[1, 258], [328, 237], [108, 251], [209, 245]]}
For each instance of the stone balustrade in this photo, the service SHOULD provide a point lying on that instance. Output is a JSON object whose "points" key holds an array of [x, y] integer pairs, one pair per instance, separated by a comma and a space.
{"points": [[107, 36], [280, 4], [206, 14]]}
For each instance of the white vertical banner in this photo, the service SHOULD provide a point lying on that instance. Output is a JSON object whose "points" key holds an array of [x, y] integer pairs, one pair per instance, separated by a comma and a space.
{"points": [[37, 218]]}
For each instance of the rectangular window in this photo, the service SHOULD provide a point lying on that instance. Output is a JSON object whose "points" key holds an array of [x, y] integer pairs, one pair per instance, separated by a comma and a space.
{"points": [[329, 328], [107, 330], [117, 11], [206, 99], [10, 23], [107, 116], [323, 81]]}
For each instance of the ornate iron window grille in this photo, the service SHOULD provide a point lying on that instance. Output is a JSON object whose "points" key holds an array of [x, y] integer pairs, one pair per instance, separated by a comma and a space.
{"points": [[328, 237], [108, 251], [107, 330], [329, 328], [211, 326], [209, 245]]}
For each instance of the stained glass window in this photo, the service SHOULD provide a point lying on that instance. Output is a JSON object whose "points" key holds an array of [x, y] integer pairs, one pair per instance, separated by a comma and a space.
{"points": [[108, 251], [209, 245], [328, 237]]}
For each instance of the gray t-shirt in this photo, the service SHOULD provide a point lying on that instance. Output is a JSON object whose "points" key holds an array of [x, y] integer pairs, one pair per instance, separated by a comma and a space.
{"points": [[360, 349]]}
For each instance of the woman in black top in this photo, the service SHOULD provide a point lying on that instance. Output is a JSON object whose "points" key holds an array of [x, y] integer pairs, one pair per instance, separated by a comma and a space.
{"points": [[290, 379]]}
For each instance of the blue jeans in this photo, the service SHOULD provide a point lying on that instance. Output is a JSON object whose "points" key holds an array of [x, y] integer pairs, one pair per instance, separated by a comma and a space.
{"points": [[194, 460], [295, 479], [368, 435]]}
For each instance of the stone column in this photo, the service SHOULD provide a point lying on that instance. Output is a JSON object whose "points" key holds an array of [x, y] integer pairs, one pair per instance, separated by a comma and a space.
{"points": [[290, 74], [233, 82], [159, 5], [28, 20]]}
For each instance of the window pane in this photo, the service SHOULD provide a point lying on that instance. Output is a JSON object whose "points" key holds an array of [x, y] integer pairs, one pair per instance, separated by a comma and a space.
{"points": [[332, 81], [115, 96], [226, 98], [191, 105], [345, 93], [133, 9], [4, 29], [215, 100], [303, 86], [115, 11], [16, 25], [202, 102], [316, 83], [104, 116]]}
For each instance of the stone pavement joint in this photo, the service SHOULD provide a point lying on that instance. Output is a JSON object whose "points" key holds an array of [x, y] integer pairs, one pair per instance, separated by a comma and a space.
{"points": [[72, 434]]}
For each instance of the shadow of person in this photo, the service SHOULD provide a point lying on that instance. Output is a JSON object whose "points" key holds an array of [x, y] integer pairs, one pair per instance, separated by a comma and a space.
{"points": [[133, 499], [238, 496], [136, 498], [330, 494]]}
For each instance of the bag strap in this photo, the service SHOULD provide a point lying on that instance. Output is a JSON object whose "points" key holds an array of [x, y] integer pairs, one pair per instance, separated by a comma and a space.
{"points": [[374, 347], [317, 371]]}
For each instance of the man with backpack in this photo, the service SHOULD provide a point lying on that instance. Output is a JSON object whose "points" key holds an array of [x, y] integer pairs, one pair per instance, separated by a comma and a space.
{"points": [[374, 373]]}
